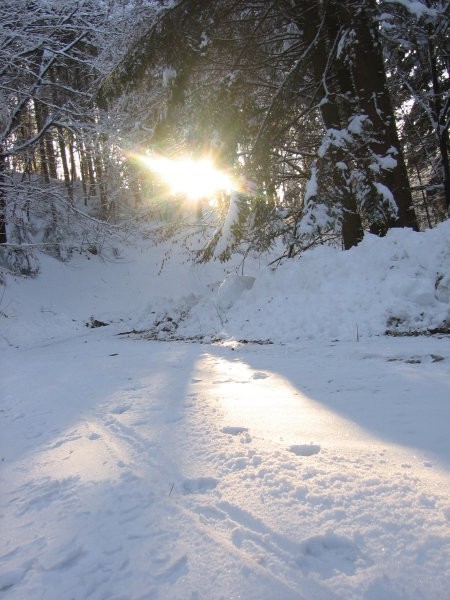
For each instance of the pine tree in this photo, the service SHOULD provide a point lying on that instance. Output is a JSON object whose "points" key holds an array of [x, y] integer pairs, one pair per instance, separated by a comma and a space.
{"points": [[297, 94]]}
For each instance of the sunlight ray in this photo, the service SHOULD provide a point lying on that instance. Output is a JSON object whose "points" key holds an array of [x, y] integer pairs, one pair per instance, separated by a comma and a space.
{"points": [[195, 179]]}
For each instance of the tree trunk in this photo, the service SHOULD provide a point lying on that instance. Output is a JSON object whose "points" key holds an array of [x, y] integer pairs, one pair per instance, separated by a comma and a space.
{"points": [[73, 168], [3, 234], [65, 166], [87, 170], [83, 170], [104, 208], [352, 229], [335, 110], [442, 128], [374, 100], [43, 164], [51, 156]]}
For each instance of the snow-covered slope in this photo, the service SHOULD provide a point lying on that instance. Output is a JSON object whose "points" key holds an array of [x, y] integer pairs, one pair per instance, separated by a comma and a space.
{"points": [[399, 283], [307, 470]]}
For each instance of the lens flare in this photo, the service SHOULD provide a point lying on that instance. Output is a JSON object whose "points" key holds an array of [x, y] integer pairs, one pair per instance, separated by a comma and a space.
{"points": [[194, 179]]}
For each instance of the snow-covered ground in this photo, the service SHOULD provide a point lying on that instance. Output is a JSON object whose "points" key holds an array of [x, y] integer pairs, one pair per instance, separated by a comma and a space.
{"points": [[315, 467]]}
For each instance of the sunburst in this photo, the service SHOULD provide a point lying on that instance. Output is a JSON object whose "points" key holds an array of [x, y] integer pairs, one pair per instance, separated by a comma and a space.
{"points": [[194, 179]]}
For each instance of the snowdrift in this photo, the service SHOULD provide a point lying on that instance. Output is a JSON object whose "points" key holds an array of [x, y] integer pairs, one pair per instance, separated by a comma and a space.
{"points": [[399, 284]]}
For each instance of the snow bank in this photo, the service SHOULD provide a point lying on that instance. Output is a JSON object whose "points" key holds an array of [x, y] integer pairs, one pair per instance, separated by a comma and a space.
{"points": [[399, 283]]}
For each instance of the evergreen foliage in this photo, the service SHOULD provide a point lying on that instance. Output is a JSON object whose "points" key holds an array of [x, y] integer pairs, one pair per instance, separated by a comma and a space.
{"points": [[337, 112]]}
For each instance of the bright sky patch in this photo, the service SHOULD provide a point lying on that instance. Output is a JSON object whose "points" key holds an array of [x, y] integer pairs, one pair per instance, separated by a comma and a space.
{"points": [[194, 179]]}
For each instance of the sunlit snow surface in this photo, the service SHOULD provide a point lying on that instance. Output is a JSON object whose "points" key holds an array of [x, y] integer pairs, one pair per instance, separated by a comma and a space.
{"points": [[311, 469], [136, 469]]}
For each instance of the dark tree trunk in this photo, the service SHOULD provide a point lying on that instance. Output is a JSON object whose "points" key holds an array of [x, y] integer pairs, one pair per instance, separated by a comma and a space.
{"points": [[83, 170], [100, 171], [87, 170], [443, 147], [104, 207], [42, 150], [335, 111], [65, 166], [442, 128], [347, 62], [73, 168], [374, 100], [3, 235], [51, 156]]}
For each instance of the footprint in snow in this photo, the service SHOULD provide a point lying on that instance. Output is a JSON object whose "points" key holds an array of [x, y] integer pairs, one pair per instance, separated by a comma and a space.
{"points": [[330, 553], [178, 568], [304, 449], [120, 409], [259, 375], [234, 430], [200, 485], [66, 440], [318, 544]]}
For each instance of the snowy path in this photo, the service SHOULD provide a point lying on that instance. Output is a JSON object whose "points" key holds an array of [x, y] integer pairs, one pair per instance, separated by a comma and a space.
{"points": [[138, 470]]}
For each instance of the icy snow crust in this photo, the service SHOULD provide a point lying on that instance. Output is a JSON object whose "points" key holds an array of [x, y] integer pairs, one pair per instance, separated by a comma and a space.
{"points": [[314, 468]]}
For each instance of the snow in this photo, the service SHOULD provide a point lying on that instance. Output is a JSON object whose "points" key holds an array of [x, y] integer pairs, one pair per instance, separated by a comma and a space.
{"points": [[168, 74], [387, 195], [226, 229], [315, 218], [387, 162], [231, 289], [383, 162], [314, 467], [204, 41], [338, 138], [357, 123], [311, 186], [415, 7]]}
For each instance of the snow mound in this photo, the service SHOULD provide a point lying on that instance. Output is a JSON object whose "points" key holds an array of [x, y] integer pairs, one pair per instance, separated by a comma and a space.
{"points": [[231, 289], [399, 284]]}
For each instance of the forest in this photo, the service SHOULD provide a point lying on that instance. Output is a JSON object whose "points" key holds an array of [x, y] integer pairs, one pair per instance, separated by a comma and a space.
{"points": [[331, 117], [224, 300]]}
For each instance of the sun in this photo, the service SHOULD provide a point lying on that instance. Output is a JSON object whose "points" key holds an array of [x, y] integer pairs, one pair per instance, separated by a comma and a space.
{"points": [[194, 179]]}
